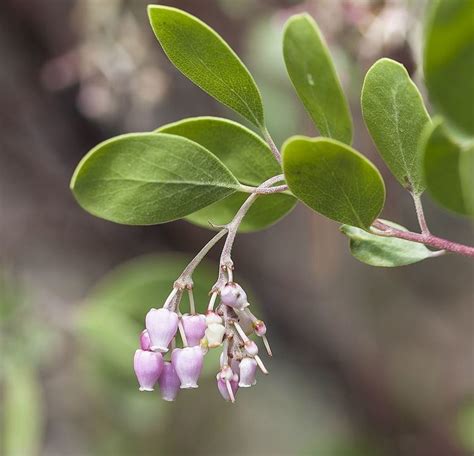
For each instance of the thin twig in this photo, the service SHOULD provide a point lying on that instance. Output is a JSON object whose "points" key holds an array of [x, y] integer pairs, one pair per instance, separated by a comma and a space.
{"points": [[427, 239], [420, 214], [272, 145], [185, 279], [226, 263], [264, 191]]}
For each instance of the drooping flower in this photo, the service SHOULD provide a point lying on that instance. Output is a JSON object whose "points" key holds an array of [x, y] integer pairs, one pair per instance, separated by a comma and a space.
{"points": [[248, 371], [169, 382], [148, 367], [145, 342], [228, 388], [161, 325], [215, 330], [194, 328], [187, 363], [233, 295]]}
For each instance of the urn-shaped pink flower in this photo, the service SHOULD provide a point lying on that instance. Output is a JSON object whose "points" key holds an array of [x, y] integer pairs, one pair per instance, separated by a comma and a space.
{"points": [[228, 388], [145, 342], [233, 295], [187, 363], [194, 328], [169, 382], [248, 371], [148, 366], [161, 325]]}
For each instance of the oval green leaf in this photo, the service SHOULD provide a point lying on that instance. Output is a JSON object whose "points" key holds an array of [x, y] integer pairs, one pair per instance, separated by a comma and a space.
{"points": [[312, 72], [249, 159], [384, 251], [334, 180], [395, 116], [449, 170], [449, 61], [149, 178], [207, 60], [264, 212]]}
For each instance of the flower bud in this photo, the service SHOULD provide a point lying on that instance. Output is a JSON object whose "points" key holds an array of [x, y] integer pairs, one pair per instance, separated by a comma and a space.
{"points": [[145, 341], [187, 363], [248, 371], [212, 317], [148, 366], [226, 372], [233, 295], [251, 348], [162, 325], [234, 364], [169, 382], [260, 328], [214, 334], [228, 388], [194, 328]]}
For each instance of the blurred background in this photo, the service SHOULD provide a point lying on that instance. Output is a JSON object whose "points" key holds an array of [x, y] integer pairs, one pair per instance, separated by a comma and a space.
{"points": [[368, 361]]}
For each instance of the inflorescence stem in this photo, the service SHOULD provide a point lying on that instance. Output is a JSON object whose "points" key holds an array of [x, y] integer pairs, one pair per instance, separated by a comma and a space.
{"points": [[226, 263], [426, 239], [185, 279]]}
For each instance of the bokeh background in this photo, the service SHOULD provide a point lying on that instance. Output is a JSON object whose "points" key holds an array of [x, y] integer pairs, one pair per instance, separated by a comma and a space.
{"points": [[367, 361]]}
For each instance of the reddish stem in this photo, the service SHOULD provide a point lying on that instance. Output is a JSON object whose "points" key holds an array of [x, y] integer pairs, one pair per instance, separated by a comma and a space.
{"points": [[426, 239]]}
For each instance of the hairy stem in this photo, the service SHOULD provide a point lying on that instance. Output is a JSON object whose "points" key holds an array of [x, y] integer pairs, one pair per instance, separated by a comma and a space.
{"points": [[264, 191], [420, 214], [226, 263], [185, 279], [272, 145], [426, 239]]}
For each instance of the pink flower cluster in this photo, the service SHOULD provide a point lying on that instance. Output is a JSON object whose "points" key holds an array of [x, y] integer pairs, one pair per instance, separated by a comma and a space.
{"points": [[228, 326]]}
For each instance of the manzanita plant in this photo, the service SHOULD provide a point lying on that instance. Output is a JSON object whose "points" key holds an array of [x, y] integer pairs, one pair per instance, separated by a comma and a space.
{"points": [[219, 174]]}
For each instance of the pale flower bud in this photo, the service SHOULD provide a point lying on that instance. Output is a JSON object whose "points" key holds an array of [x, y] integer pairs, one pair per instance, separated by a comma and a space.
{"points": [[145, 341], [226, 372], [248, 371], [260, 328], [233, 295], [212, 317], [214, 334], [234, 364], [187, 363], [148, 366], [228, 388], [169, 382], [251, 348], [194, 328], [162, 325]]}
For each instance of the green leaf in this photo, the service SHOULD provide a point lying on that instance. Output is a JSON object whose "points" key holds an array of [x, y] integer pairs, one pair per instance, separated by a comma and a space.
{"points": [[449, 168], [449, 61], [384, 251], [249, 158], [22, 409], [149, 178], [207, 60], [246, 155], [265, 211], [314, 77], [334, 180], [395, 115]]}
